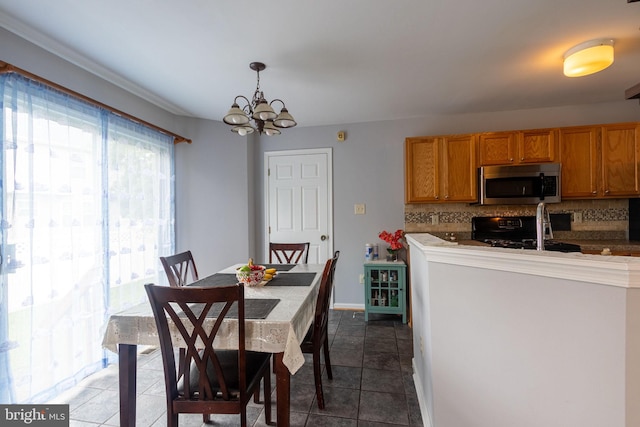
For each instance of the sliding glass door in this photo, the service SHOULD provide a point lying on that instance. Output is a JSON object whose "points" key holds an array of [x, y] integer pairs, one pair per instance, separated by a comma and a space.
{"points": [[87, 208]]}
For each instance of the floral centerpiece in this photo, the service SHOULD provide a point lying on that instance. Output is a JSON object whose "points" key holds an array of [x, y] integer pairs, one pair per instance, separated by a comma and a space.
{"points": [[395, 241]]}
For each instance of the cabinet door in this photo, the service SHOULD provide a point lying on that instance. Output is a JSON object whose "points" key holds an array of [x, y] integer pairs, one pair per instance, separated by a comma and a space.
{"points": [[459, 169], [578, 155], [422, 170], [506, 148], [537, 146], [620, 160], [497, 148]]}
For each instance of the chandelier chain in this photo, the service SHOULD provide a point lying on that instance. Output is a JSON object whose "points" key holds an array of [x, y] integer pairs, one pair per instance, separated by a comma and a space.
{"points": [[257, 95]]}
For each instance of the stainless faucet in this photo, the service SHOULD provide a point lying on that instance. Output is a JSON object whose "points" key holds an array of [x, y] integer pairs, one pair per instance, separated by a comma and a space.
{"points": [[543, 222]]}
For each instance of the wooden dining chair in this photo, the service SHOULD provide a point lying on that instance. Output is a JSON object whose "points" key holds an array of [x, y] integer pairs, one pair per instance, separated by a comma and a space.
{"points": [[317, 337], [215, 381], [288, 253], [179, 267]]}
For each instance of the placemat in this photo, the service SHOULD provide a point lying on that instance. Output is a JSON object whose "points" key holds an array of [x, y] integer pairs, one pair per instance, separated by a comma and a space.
{"points": [[292, 279], [218, 279], [254, 308], [280, 267]]}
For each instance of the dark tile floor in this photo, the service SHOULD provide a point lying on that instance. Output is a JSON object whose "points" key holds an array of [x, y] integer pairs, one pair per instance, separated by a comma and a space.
{"points": [[372, 384]]}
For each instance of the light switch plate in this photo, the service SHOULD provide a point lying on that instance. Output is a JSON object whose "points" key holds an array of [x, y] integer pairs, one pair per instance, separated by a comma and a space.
{"points": [[359, 209]]}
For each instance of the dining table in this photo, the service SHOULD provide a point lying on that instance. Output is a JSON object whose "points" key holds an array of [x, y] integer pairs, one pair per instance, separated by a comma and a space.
{"points": [[278, 315]]}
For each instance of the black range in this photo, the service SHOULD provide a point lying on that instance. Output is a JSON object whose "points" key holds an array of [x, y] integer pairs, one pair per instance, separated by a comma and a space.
{"points": [[515, 232]]}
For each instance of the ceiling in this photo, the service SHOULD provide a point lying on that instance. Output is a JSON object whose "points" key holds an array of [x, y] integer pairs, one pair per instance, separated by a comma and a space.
{"points": [[340, 61]]}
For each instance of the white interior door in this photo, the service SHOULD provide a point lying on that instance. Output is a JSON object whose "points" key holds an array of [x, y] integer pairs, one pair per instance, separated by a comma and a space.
{"points": [[298, 200]]}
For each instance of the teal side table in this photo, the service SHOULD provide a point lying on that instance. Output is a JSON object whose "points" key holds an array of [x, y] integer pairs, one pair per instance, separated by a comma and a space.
{"points": [[385, 288]]}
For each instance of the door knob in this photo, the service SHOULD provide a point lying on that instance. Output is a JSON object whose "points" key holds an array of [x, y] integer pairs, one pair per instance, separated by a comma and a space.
{"points": [[324, 237]]}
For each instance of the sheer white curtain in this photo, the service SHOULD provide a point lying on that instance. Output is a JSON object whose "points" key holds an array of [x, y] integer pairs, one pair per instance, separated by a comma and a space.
{"points": [[140, 209], [87, 202]]}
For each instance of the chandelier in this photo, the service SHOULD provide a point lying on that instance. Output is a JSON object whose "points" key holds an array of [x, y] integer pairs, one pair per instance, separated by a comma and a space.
{"points": [[265, 118]]}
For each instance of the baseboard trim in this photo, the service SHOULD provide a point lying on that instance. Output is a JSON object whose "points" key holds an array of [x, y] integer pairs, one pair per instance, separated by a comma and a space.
{"points": [[354, 307]]}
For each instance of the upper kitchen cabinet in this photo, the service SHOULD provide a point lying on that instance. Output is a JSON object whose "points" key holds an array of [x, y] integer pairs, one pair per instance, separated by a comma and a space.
{"points": [[579, 156], [620, 160], [600, 161], [441, 169], [421, 168], [517, 147]]}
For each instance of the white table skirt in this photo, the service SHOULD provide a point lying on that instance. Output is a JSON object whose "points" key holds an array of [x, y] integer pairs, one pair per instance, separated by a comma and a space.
{"points": [[281, 332]]}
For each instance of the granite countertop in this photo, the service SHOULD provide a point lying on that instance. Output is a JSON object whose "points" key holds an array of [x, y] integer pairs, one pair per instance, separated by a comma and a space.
{"points": [[614, 245], [585, 244]]}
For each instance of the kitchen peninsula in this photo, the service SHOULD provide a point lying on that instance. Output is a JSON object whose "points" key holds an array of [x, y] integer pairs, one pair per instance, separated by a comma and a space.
{"points": [[506, 337]]}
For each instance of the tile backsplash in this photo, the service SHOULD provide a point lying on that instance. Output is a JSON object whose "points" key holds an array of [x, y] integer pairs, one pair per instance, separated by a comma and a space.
{"points": [[590, 219]]}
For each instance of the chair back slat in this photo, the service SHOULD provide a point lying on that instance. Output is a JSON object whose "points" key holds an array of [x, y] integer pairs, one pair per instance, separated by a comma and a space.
{"points": [[289, 253], [180, 269]]}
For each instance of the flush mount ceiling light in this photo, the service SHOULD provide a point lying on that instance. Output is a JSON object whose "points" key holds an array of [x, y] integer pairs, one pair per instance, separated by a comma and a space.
{"points": [[259, 110], [588, 58]]}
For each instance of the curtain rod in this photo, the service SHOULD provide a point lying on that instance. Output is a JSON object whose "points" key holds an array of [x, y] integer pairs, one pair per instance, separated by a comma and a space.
{"points": [[8, 68]]}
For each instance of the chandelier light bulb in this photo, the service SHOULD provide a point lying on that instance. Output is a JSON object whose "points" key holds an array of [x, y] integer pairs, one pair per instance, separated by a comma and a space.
{"points": [[264, 112], [270, 129], [235, 116], [284, 119], [242, 130]]}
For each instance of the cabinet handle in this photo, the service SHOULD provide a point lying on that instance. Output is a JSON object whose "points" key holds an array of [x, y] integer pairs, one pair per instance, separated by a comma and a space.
{"points": [[511, 159], [522, 159], [594, 192], [446, 197], [437, 197], [606, 191]]}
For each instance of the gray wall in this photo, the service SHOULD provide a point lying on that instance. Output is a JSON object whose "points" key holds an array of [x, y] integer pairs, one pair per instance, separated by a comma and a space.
{"points": [[219, 177], [212, 196]]}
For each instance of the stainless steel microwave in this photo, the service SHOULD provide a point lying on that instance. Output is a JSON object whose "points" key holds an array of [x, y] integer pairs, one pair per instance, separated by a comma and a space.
{"points": [[521, 184]]}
